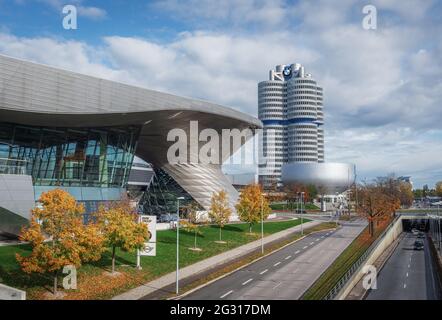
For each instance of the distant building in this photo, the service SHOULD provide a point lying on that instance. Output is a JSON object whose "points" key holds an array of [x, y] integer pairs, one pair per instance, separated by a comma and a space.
{"points": [[406, 179], [290, 105]]}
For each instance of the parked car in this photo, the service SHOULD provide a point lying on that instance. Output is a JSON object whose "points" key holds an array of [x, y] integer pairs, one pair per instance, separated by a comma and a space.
{"points": [[414, 231], [418, 245], [421, 235], [165, 217]]}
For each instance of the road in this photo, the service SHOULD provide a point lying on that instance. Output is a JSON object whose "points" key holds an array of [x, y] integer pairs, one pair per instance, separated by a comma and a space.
{"points": [[407, 275], [285, 274]]}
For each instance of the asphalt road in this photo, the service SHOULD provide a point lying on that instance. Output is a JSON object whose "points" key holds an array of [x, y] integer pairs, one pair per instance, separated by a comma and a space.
{"points": [[285, 274], [408, 274]]}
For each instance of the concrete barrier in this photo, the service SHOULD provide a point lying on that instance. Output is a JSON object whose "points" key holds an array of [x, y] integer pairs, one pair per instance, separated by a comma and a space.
{"points": [[389, 237], [9, 293]]}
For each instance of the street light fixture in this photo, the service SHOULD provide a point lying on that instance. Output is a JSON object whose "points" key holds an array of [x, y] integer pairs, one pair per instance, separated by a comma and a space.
{"points": [[177, 244], [262, 224], [302, 210]]}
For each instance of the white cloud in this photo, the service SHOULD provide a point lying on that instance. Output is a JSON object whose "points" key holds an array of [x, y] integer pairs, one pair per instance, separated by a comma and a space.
{"points": [[92, 12], [89, 12], [383, 88], [229, 13]]}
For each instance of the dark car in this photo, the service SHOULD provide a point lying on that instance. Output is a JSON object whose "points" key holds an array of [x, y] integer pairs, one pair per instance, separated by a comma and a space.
{"points": [[418, 245], [421, 235]]}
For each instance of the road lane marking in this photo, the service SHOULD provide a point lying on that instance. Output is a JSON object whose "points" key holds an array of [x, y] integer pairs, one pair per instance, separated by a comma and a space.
{"points": [[297, 252], [226, 294], [246, 282], [407, 275], [305, 247], [288, 257], [405, 285], [408, 265], [264, 271], [277, 263]]}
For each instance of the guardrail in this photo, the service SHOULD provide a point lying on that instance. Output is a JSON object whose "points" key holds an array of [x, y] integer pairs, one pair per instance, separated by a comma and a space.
{"points": [[346, 277], [12, 166]]}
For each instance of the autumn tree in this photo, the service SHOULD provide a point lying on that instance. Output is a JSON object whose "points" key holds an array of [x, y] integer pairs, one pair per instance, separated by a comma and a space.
{"points": [[193, 222], [220, 210], [250, 203], [439, 188], [58, 236], [406, 195], [119, 224], [376, 203]]}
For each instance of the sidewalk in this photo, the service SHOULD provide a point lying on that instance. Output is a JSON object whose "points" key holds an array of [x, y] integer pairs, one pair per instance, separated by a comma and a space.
{"points": [[204, 265]]}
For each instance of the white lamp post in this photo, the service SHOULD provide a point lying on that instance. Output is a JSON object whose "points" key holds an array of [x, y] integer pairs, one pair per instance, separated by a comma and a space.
{"points": [[262, 224], [302, 210], [177, 245]]}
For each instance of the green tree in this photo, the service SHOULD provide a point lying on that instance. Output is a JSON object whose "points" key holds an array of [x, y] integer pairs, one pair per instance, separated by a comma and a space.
{"points": [[312, 192], [250, 203]]}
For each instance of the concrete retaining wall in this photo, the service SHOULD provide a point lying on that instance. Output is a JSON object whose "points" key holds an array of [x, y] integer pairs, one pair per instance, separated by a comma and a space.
{"points": [[391, 235], [8, 293]]}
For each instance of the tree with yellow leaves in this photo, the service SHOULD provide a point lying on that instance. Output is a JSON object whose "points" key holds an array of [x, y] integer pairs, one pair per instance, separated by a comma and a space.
{"points": [[193, 222], [251, 202], [58, 236], [119, 224], [220, 210]]}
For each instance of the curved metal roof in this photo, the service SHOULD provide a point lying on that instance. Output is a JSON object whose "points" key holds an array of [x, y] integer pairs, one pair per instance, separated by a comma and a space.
{"points": [[39, 95]]}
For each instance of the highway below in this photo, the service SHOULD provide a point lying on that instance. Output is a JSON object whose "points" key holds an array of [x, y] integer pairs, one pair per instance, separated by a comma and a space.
{"points": [[285, 274], [408, 274]]}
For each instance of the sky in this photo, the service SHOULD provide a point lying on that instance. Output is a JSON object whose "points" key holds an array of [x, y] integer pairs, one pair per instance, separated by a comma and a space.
{"points": [[382, 87]]}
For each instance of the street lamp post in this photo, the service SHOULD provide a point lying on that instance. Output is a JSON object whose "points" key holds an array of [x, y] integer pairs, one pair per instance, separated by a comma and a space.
{"points": [[262, 225], [438, 226], [177, 245], [302, 210]]}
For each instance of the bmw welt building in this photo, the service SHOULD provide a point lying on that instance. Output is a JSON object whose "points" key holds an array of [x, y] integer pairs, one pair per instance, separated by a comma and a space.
{"points": [[60, 129]]}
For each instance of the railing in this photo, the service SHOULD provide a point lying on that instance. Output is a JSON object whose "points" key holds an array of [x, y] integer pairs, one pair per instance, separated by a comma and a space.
{"points": [[347, 276], [12, 166]]}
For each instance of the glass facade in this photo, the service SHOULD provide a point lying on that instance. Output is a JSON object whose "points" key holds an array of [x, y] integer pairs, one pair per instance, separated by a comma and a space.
{"points": [[70, 157], [161, 195]]}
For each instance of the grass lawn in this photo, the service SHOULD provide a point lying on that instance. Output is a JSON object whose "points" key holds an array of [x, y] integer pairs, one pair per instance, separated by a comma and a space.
{"points": [[92, 284], [342, 264], [282, 206]]}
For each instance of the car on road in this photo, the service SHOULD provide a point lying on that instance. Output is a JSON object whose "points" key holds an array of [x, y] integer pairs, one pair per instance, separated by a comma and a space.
{"points": [[418, 245], [421, 235], [414, 231]]}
